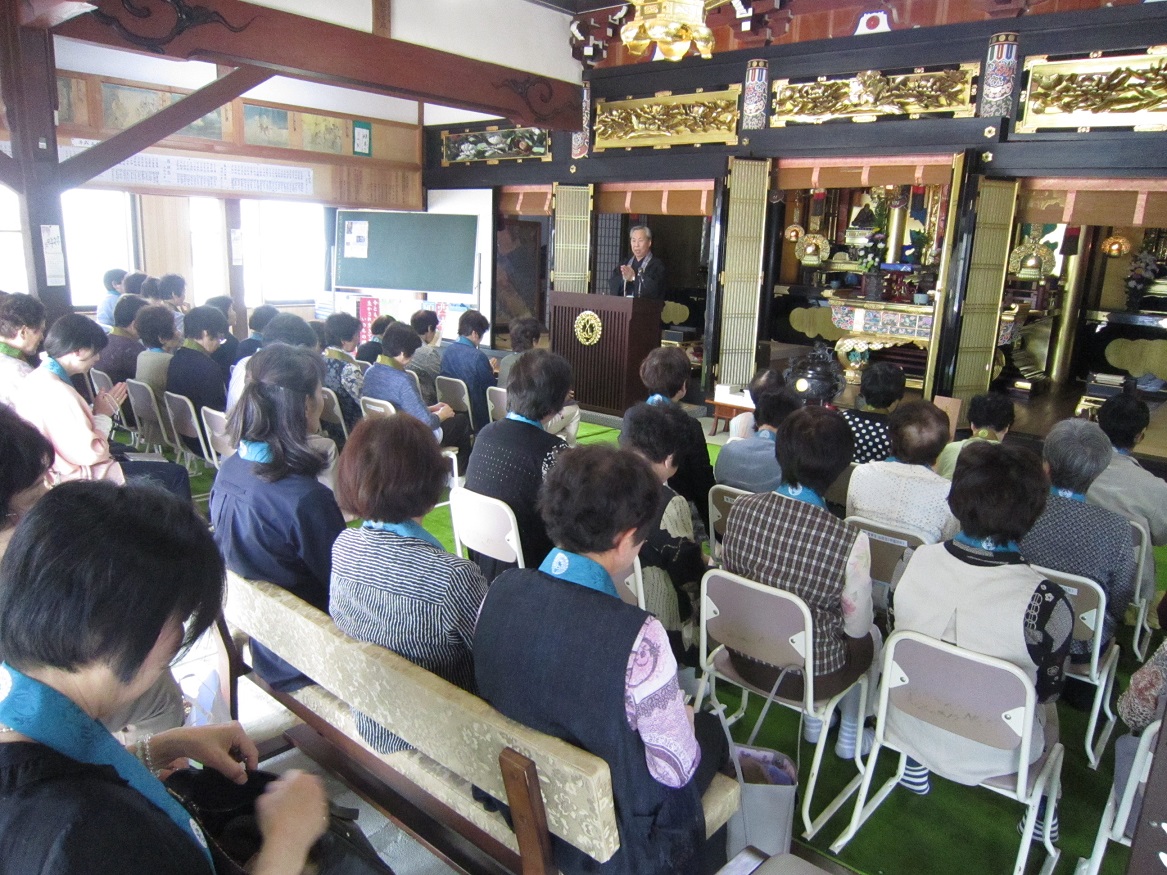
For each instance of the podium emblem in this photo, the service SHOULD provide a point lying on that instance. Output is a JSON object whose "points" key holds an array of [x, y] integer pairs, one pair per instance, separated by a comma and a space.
{"points": [[588, 328]]}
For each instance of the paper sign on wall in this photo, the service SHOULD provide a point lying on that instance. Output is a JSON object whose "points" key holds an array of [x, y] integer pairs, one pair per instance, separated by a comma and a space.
{"points": [[54, 251], [356, 239]]}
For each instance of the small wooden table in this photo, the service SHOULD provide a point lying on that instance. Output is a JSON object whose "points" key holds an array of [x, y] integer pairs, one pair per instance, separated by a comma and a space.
{"points": [[723, 410]]}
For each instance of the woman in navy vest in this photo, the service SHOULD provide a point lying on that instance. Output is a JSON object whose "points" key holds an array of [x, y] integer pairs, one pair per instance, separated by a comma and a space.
{"points": [[557, 650]]}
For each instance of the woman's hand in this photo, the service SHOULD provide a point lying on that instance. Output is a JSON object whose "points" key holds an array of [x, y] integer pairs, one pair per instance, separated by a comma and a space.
{"points": [[110, 403], [292, 814], [443, 410], [223, 747]]}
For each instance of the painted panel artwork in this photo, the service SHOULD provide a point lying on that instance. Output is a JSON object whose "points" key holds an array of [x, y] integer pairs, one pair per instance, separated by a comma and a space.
{"points": [[323, 133], [265, 126], [508, 144], [123, 106]]}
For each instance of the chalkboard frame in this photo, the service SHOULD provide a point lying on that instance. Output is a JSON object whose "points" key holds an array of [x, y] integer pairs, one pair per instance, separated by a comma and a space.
{"points": [[410, 251]]}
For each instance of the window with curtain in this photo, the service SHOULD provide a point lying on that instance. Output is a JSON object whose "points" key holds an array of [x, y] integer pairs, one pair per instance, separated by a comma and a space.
{"points": [[283, 251], [99, 235], [13, 277]]}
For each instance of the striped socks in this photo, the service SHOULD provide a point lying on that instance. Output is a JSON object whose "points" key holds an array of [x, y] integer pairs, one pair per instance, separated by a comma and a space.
{"points": [[916, 778]]}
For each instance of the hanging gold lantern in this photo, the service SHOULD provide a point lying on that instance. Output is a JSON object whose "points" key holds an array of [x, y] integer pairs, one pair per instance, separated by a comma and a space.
{"points": [[1116, 246], [811, 249], [1031, 261], [674, 25]]}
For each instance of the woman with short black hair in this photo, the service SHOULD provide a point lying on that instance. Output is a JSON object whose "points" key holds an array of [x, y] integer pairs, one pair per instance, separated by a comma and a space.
{"points": [[342, 333], [23, 465], [273, 519], [85, 629], [392, 582]]}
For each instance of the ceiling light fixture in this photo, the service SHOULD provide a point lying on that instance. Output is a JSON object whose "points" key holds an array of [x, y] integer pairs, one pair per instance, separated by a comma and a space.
{"points": [[674, 25]]}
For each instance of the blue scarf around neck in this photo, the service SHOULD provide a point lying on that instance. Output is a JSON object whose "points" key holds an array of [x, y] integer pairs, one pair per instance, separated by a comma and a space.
{"points": [[406, 529], [987, 544], [580, 570], [802, 493], [54, 367], [255, 451], [1068, 493], [518, 417]]}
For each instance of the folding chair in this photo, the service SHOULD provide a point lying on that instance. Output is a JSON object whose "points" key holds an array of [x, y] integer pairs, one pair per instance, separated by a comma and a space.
{"points": [[631, 589], [486, 525], [496, 403], [152, 428], [218, 438], [331, 412], [185, 423], [837, 492], [101, 382], [973, 696], [888, 545], [772, 626], [721, 499], [1113, 826], [1142, 599], [363, 365], [1088, 600], [416, 381], [376, 407], [454, 392]]}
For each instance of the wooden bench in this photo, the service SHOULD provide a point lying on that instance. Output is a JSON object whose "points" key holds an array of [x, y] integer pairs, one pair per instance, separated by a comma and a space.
{"points": [[459, 741]]}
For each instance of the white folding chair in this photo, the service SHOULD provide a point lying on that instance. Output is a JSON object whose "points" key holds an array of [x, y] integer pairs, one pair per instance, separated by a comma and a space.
{"points": [[185, 423], [631, 588], [1142, 599], [771, 626], [101, 382], [152, 428], [496, 403], [363, 365], [486, 525], [1113, 826], [973, 696], [888, 545], [376, 407], [1088, 600], [331, 412], [721, 499], [416, 381], [218, 438], [454, 392]]}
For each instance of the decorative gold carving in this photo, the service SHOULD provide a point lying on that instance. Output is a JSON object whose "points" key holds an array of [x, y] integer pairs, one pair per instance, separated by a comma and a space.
{"points": [[670, 120], [867, 96], [588, 328], [1123, 91]]}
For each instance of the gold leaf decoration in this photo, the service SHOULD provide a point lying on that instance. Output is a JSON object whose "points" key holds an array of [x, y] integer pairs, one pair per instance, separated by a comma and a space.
{"points": [[1125, 91], [867, 96], [670, 120]]}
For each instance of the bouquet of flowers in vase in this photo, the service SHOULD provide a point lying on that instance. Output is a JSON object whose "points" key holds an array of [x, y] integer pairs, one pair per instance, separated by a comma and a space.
{"points": [[869, 255], [1144, 270]]}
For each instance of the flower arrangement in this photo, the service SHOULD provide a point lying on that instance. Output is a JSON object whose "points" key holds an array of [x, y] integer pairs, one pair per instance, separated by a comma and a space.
{"points": [[1144, 270], [870, 254]]}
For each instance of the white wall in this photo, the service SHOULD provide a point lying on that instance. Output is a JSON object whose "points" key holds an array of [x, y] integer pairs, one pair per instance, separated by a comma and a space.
{"points": [[357, 14], [471, 202]]}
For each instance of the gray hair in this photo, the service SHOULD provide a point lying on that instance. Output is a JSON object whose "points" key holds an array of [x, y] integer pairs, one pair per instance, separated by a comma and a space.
{"points": [[1077, 451], [647, 231]]}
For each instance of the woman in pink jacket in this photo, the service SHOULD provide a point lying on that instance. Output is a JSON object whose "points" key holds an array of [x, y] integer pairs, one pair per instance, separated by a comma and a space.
{"points": [[79, 434]]}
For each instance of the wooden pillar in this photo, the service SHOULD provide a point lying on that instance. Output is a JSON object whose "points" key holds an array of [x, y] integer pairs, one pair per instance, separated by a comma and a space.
{"points": [[28, 77], [233, 215]]}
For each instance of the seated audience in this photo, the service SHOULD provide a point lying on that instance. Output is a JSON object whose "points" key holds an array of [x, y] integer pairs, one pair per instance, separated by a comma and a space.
{"points": [[392, 582], [752, 463], [1080, 538], [132, 284], [789, 540], [388, 381], [511, 457], [904, 490], [192, 371], [1124, 486], [1139, 706], [427, 361], [976, 592], [463, 361], [22, 326], [24, 463], [524, 335], [172, 293], [744, 425], [80, 436], [85, 627], [256, 324], [112, 281], [557, 650], [285, 328], [880, 388], [665, 373], [990, 416], [273, 519], [671, 560], [228, 352], [342, 332], [371, 348], [119, 359], [318, 329], [155, 327]]}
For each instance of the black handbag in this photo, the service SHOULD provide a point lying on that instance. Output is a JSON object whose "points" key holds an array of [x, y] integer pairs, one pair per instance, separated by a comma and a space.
{"points": [[226, 812]]}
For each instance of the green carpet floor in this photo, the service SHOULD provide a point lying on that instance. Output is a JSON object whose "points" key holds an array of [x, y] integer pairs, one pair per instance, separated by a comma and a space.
{"points": [[954, 830]]}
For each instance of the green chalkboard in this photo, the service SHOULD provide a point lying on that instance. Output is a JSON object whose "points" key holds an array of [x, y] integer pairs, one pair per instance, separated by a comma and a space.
{"points": [[418, 252]]}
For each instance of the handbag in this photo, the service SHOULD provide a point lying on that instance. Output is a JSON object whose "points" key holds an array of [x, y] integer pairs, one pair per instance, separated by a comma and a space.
{"points": [[226, 812]]}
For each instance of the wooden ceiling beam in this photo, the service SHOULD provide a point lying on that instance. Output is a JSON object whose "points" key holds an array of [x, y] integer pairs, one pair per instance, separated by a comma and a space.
{"points": [[242, 34], [169, 120], [44, 14], [10, 173]]}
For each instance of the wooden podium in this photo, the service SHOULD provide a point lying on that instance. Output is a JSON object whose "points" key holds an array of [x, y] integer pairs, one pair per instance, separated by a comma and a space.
{"points": [[607, 371]]}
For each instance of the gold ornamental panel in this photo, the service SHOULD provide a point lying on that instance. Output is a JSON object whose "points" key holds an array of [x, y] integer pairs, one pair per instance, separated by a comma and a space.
{"points": [[588, 328], [668, 120], [1128, 91], [872, 95]]}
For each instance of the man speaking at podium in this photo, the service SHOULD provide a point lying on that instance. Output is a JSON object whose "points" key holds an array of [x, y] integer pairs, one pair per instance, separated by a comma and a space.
{"points": [[641, 276]]}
